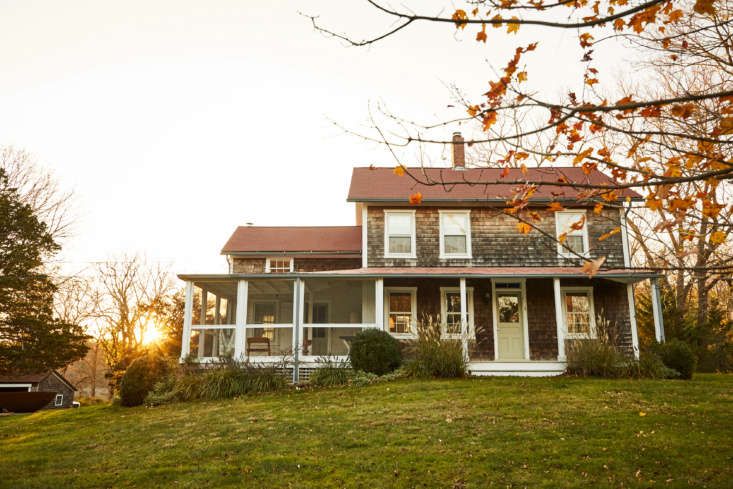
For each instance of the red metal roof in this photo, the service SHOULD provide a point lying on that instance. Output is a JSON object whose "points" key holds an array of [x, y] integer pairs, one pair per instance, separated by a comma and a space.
{"points": [[377, 184], [293, 239]]}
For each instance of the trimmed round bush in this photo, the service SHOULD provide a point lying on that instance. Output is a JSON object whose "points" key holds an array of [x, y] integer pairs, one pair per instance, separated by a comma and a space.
{"points": [[679, 356], [375, 351], [140, 378]]}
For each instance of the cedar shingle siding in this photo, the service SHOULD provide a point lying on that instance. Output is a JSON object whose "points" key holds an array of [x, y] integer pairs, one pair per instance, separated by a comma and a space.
{"points": [[257, 265], [495, 240], [53, 384]]}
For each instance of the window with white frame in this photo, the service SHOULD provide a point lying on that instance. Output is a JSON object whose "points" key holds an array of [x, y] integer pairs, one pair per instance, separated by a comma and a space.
{"points": [[279, 265], [571, 232], [455, 234], [450, 299], [579, 312], [399, 234], [400, 310], [58, 400]]}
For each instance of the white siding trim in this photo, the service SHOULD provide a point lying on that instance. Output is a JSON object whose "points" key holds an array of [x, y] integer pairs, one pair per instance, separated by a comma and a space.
{"points": [[624, 237], [364, 235], [27, 386]]}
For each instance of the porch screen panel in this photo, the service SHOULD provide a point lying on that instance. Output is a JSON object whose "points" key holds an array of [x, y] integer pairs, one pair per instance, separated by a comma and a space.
{"points": [[269, 328]]}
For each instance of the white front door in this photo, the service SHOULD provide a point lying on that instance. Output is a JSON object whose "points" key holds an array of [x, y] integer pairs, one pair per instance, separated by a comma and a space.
{"points": [[510, 329]]}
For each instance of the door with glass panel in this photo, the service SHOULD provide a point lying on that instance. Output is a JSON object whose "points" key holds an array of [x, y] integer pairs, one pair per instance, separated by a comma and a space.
{"points": [[510, 331]]}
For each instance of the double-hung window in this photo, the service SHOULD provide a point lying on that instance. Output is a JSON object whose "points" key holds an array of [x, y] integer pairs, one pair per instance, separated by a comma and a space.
{"points": [[455, 234], [58, 400], [572, 233], [450, 324], [279, 265], [399, 234], [401, 311], [578, 312]]}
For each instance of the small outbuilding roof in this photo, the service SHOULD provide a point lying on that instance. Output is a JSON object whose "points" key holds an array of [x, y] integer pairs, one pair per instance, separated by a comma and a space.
{"points": [[380, 184], [32, 378], [294, 239]]}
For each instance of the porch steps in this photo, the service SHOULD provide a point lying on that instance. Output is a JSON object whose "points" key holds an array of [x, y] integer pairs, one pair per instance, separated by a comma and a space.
{"points": [[517, 369]]}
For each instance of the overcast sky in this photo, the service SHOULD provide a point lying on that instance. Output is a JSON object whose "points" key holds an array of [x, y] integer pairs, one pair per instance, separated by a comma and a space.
{"points": [[175, 121]]}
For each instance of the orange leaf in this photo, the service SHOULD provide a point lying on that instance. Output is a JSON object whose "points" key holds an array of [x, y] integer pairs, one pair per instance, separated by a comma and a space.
{"points": [[586, 40], [562, 237], [524, 228], [591, 267], [489, 119], [504, 172], [591, 81], [705, 7], [583, 155], [497, 18], [513, 27], [555, 206], [460, 18], [416, 198], [399, 171], [523, 168], [578, 225], [597, 208], [718, 237], [473, 110], [522, 76], [683, 110], [605, 236], [481, 35]]}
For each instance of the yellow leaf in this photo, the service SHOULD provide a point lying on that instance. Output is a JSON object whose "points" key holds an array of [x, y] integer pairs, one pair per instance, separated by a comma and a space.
{"points": [[555, 206], [523, 227], [513, 27], [497, 18], [718, 237], [399, 171], [598, 208], [642, 413], [583, 155], [416, 198], [605, 236], [522, 76], [591, 267], [562, 237]]}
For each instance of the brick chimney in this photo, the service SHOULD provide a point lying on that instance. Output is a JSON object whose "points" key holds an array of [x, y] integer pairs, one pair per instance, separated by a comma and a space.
{"points": [[459, 151]]}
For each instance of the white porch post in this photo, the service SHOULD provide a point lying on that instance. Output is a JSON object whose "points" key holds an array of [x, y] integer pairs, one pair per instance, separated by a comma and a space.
{"points": [[298, 303], [187, 320], [657, 311], [379, 303], [202, 321], [632, 319], [559, 321], [217, 313], [464, 319], [240, 333]]}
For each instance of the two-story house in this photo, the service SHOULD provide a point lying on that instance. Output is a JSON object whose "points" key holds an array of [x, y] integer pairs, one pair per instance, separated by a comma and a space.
{"points": [[514, 300]]}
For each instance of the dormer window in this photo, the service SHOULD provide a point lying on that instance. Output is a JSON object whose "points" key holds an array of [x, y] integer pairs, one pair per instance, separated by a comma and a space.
{"points": [[399, 234], [279, 265], [572, 233], [455, 234]]}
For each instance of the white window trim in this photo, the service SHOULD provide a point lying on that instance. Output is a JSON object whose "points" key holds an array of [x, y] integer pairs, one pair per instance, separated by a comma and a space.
{"points": [[58, 401], [267, 262], [444, 313], [561, 250], [413, 306], [593, 333], [443, 254], [413, 244]]}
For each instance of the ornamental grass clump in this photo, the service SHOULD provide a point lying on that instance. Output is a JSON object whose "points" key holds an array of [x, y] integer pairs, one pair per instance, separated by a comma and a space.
{"points": [[433, 356]]}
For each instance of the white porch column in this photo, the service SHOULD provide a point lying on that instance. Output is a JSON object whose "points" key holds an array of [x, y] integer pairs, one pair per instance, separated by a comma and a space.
{"points": [[559, 321], [657, 311], [632, 319], [379, 303], [202, 321], [298, 306], [217, 306], [240, 319], [464, 319], [187, 320]]}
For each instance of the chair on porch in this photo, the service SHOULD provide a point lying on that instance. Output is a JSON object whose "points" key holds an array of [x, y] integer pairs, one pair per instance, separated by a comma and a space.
{"points": [[258, 344]]}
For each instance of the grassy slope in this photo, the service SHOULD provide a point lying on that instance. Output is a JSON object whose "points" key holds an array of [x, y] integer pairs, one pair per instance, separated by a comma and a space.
{"points": [[470, 433]]}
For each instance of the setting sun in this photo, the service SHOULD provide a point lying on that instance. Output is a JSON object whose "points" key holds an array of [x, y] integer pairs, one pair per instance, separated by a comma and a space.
{"points": [[151, 333]]}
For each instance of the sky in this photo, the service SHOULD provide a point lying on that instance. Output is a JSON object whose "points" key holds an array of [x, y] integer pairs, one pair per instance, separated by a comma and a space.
{"points": [[174, 121]]}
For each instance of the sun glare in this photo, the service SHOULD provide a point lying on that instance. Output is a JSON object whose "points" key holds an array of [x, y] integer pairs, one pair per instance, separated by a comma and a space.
{"points": [[152, 333]]}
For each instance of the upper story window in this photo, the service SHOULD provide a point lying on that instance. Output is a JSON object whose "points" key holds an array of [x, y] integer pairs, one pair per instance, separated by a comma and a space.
{"points": [[399, 234], [455, 234], [450, 305], [572, 233], [578, 311], [279, 265]]}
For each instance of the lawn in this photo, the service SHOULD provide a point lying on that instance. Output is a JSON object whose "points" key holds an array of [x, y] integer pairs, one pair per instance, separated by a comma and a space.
{"points": [[472, 433]]}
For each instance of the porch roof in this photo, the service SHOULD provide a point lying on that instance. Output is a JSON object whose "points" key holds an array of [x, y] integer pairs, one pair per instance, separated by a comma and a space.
{"points": [[626, 275]]}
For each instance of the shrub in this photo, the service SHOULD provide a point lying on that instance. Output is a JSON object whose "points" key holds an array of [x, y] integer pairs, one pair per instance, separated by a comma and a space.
{"points": [[375, 351], [679, 356], [225, 381], [140, 378], [332, 373], [650, 366], [434, 357], [595, 358]]}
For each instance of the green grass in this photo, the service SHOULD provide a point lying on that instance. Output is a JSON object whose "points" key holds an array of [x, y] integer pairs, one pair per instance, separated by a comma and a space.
{"points": [[471, 433]]}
